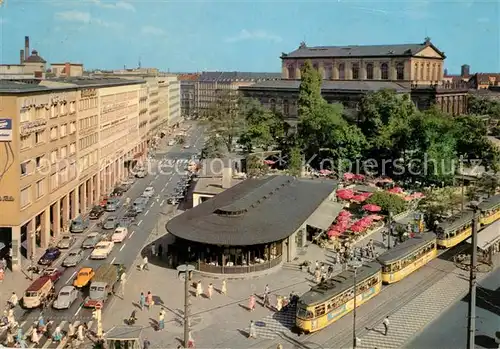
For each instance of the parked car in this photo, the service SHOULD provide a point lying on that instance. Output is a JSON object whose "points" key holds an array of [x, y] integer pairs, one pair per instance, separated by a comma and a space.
{"points": [[120, 234], [79, 224], [118, 191], [127, 183], [125, 222], [96, 212], [139, 204], [110, 223], [141, 173], [50, 255], [91, 240], [102, 250], [74, 257], [112, 204], [67, 295], [148, 192], [53, 273], [66, 242], [132, 213], [187, 146], [83, 277]]}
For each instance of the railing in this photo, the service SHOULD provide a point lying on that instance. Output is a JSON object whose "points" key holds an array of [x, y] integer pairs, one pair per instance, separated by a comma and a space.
{"points": [[239, 269]]}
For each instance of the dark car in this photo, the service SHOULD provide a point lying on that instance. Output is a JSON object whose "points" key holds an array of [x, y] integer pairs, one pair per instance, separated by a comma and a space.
{"points": [[96, 212], [50, 255], [118, 191], [132, 213]]}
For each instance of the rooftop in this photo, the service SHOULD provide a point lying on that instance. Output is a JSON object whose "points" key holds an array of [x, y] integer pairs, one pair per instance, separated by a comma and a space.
{"points": [[256, 211], [35, 58], [12, 87], [408, 50], [340, 85], [237, 76], [212, 185]]}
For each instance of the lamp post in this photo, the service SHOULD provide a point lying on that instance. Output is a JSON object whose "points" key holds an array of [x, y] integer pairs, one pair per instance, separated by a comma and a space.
{"points": [[186, 269], [390, 232], [355, 265], [471, 333]]}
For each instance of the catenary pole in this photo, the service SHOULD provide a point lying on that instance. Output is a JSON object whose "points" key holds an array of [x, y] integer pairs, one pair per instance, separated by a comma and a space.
{"points": [[472, 284]]}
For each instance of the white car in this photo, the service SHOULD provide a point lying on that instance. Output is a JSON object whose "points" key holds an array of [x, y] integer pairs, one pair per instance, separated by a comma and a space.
{"points": [[120, 234], [67, 295], [186, 146], [148, 192], [102, 250]]}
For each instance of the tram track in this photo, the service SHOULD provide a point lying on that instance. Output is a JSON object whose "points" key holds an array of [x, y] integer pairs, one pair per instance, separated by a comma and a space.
{"points": [[386, 303]]}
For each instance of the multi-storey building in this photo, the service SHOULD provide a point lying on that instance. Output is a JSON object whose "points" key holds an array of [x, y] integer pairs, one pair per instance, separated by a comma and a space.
{"points": [[211, 84], [188, 93], [67, 143], [174, 100], [31, 68], [349, 72]]}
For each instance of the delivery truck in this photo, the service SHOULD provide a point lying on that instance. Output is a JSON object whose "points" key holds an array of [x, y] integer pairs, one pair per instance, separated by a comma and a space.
{"points": [[103, 283]]}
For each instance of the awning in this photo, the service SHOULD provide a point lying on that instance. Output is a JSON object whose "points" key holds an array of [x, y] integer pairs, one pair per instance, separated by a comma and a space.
{"points": [[487, 236], [324, 215]]}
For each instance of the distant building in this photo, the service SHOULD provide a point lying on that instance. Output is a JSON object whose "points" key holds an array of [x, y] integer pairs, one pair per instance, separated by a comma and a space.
{"points": [[66, 69], [189, 88], [31, 68]]}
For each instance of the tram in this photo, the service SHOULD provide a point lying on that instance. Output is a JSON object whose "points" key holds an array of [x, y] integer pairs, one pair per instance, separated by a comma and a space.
{"points": [[454, 230], [330, 300], [490, 210], [405, 258]]}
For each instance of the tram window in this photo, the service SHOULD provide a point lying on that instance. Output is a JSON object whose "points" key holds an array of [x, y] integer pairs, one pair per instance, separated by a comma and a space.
{"points": [[304, 313], [319, 310]]}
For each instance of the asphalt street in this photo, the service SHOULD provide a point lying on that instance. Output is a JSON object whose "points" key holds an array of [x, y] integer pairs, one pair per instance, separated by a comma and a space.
{"points": [[449, 331], [164, 183]]}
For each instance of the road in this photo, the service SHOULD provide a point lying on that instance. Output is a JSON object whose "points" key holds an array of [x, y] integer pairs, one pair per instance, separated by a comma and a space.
{"points": [[449, 330], [164, 182]]}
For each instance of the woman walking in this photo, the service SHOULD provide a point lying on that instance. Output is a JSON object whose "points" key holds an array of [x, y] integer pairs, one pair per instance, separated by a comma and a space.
{"points": [[223, 288], [199, 289], [251, 303], [161, 321], [149, 300], [210, 290], [142, 301]]}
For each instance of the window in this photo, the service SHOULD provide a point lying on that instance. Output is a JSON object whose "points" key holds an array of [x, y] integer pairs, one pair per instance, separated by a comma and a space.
{"points": [[416, 72], [25, 197], [26, 141], [421, 71], [40, 137], [286, 107], [24, 168], [64, 152], [53, 133], [355, 71], [272, 103], [72, 127], [53, 156], [400, 71], [329, 72], [72, 148], [369, 71], [429, 72], [384, 69], [24, 115], [39, 161], [40, 188], [52, 111], [54, 181], [64, 129], [341, 71]]}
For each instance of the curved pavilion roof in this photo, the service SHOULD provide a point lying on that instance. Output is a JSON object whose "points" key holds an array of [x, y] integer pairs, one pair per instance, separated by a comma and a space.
{"points": [[256, 211]]}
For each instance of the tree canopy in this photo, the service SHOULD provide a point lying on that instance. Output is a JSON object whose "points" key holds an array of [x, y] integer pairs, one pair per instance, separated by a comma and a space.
{"points": [[483, 106], [388, 202]]}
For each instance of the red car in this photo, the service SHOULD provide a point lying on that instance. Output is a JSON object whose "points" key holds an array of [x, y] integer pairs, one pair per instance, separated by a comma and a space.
{"points": [[53, 273]]}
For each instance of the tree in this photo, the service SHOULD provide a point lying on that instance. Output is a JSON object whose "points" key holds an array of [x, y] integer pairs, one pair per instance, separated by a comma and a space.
{"points": [[488, 184], [295, 162], [256, 166], [388, 202], [309, 90], [224, 118], [213, 148], [483, 106]]}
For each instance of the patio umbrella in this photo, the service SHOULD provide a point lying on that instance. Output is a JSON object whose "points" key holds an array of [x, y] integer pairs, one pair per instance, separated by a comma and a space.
{"points": [[409, 198], [357, 228], [269, 162], [358, 198], [366, 195], [349, 176], [372, 208], [345, 213], [325, 172], [375, 217], [396, 190], [345, 194], [359, 177], [333, 233]]}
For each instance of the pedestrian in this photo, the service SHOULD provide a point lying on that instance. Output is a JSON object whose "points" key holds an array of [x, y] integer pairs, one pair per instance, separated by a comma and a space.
{"points": [[266, 290], [317, 275], [267, 301], [223, 288], [13, 300], [149, 300], [161, 321], [279, 346], [145, 263], [79, 333], [146, 343], [386, 325], [190, 343], [153, 249], [210, 290], [251, 303], [252, 333], [160, 250], [199, 289], [35, 338], [142, 301], [279, 303]]}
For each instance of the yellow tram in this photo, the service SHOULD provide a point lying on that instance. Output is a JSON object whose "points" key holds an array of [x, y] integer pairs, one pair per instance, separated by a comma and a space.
{"points": [[405, 258], [330, 300], [490, 210], [454, 230]]}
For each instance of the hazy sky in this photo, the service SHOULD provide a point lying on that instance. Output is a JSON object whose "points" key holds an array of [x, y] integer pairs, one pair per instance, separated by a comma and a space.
{"points": [[241, 35]]}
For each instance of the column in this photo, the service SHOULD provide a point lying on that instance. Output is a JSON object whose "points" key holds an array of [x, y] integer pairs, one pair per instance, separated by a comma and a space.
{"points": [[75, 209], [97, 184], [31, 238], [56, 214], [16, 248], [91, 191], [45, 225], [65, 211], [83, 197]]}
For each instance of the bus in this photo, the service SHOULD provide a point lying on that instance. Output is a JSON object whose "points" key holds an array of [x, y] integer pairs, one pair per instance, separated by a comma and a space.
{"points": [[330, 300], [405, 258]]}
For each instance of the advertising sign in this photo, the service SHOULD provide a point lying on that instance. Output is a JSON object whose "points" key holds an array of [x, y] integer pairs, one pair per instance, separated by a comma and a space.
{"points": [[5, 130]]}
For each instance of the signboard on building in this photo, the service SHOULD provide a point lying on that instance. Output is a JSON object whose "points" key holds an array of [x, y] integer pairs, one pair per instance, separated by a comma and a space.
{"points": [[5, 130], [7, 198], [89, 92], [32, 126]]}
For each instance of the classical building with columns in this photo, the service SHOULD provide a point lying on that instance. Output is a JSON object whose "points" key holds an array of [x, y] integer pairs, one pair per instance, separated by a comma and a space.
{"points": [[65, 144], [349, 72]]}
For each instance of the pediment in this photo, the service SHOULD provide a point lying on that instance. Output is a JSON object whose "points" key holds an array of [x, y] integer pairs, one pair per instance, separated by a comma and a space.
{"points": [[429, 52]]}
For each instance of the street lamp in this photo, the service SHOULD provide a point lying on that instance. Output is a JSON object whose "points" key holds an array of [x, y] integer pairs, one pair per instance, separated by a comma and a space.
{"points": [[471, 333], [186, 269], [390, 231], [355, 265]]}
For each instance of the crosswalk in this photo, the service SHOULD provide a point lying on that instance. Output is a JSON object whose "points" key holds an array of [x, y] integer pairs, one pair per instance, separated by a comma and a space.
{"points": [[276, 323], [46, 341]]}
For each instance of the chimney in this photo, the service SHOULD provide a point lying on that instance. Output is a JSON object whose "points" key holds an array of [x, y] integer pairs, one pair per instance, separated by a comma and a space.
{"points": [[227, 175], [26, 47], [67, 69], [21, 57]]}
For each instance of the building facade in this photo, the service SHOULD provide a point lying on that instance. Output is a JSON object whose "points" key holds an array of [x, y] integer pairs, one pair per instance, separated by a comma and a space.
{"points": [[71, 143], [30, 67], [174, 100], [188, 94]]}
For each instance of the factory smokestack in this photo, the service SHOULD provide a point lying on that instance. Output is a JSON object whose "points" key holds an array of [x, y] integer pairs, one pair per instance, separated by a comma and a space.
{"points": [[21, 57], [26, 47]]}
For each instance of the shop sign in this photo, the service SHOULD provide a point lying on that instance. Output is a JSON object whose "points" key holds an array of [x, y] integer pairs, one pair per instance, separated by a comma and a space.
{"points": [[89, 92], [7, 198], [32, 126], [56, 99], [5, 130]]}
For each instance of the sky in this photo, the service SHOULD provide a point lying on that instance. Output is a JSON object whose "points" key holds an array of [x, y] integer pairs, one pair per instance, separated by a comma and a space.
{"points": [[189, 36]]}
